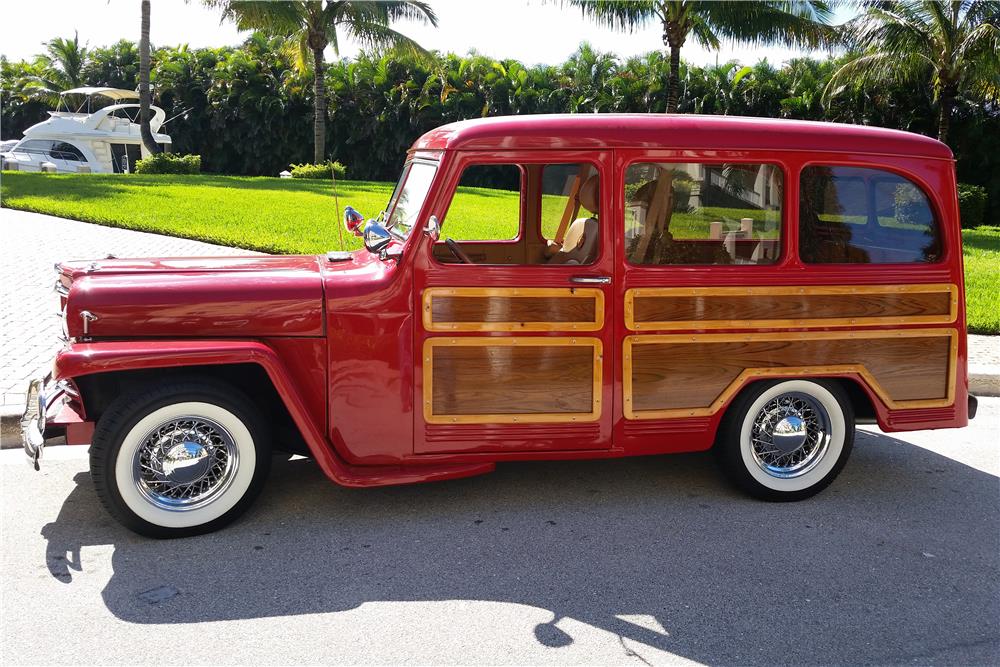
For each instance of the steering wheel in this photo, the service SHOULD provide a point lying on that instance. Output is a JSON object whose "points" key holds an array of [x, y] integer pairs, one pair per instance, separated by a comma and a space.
{"points": [[457, 251]]}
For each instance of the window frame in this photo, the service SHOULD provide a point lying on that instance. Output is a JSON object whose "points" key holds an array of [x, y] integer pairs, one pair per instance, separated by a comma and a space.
{"points": [[784, 249], [466, 159], [521, 205], [944, 255]]}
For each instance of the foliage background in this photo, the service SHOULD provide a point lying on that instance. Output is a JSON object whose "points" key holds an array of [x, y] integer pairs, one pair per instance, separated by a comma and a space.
{"points": [[247, 110]]}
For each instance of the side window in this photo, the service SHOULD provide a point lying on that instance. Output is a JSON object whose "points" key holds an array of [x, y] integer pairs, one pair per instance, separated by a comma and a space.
{"points": [[67, 151], [59, 150], [523, 214], [851, 215], [699, 213], [486, 205]]}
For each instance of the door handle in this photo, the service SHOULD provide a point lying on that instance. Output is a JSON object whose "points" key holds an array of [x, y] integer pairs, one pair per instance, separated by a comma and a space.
{"points": [[591, 280]]}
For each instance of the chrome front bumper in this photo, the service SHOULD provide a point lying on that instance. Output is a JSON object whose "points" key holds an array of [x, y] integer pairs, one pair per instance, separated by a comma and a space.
{"points": [[33, 420]]}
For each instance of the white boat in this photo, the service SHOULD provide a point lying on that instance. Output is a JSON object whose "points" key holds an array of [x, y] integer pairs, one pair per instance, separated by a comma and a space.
{"points": [[105, 140]]}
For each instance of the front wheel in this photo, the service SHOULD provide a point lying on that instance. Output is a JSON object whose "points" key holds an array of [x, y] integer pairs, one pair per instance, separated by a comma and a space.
{"points": [[179, 460], [787, 440]]}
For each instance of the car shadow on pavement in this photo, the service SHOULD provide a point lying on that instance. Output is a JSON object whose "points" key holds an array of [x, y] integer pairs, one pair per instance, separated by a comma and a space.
{"points": [[895, 562]]}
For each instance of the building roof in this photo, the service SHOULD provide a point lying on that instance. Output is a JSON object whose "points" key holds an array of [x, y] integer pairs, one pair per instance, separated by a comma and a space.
{"points": [[112, 93], [674, 131]]}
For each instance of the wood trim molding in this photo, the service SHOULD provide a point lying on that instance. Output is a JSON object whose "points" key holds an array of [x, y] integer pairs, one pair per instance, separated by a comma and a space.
{"points": [[511, 418], [821, 290], [594, 324], [786, 371]]}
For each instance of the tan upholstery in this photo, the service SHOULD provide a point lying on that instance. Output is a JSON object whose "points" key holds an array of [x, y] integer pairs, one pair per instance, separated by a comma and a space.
{"points": [[581, 242]]}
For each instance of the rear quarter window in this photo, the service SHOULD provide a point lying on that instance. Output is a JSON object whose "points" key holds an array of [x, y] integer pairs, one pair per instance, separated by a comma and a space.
{"points": [[851, 215]]}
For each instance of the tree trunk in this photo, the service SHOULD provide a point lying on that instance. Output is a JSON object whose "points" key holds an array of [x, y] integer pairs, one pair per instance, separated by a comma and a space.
{"points": [[674, 81], [944, 116], [319, 102], [144, 95]]}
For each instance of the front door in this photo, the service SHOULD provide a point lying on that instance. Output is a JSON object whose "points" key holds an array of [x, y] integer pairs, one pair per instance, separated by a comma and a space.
{"points": [[515, 303]]}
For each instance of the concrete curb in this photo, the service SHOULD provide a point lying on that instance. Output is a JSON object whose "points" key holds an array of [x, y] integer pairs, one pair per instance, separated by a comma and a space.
{"points": [[10, 426], [984, 380]]}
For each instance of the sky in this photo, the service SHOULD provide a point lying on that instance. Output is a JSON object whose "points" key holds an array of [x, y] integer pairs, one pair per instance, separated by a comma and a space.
{"points": [[532, 31]]}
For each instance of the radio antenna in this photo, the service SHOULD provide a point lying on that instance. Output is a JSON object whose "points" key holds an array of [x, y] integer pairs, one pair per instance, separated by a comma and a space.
{"points": [[336, 204]]}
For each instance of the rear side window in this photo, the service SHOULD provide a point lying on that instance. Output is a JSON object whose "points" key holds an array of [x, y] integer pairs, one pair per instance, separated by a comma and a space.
{"points": [[699, 213], [850, 215]]}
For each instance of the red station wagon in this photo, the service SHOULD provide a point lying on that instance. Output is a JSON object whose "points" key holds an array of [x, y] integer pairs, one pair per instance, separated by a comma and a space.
{"points": [[538, 287]]}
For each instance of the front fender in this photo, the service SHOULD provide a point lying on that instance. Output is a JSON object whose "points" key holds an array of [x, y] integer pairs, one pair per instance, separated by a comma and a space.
{"points": [[83, 359]]}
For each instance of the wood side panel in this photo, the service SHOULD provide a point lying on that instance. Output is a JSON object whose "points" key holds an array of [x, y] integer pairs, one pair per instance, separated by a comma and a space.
{"points": [[462, 309], [513, 309], [828, 306], [511, 380], [670, 376], [505, 380], [794, 306]]}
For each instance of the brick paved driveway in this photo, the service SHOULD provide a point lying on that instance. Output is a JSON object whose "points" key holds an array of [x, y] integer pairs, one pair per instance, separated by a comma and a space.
{"points": [[31, 244]]}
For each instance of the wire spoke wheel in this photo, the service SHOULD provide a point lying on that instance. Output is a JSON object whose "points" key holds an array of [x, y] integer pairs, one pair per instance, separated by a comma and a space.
{"points": [[790, 435], [185, 463]]}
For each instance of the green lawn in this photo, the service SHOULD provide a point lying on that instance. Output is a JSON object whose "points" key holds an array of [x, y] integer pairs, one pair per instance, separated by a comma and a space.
{"points": [[982, 278], [298, 216]]}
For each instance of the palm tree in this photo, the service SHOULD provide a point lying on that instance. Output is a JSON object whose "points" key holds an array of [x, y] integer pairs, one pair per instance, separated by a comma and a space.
{"points": [[144, 96], [315, 23], [60, 68], [791, 22], [955, 46]]}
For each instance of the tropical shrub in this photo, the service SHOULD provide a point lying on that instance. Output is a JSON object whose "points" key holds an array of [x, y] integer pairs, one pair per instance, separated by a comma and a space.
{"points": [[169, 163], [972, 205], [319, 170]]}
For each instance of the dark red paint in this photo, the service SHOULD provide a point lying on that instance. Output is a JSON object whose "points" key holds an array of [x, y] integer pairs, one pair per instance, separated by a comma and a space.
{"points": [[341, 340]]}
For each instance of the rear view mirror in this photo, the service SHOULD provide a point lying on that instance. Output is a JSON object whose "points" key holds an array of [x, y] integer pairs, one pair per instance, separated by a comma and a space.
{"points": [[433, 228], [377, 237]]}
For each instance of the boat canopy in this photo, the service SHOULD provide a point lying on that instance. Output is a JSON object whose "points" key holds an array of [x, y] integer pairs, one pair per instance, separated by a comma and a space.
{"points": [[115, 94]]}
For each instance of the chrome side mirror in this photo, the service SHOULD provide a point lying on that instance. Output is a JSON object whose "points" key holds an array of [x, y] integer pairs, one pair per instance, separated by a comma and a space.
{"points": [[433, 228], [376, 237], [353, 220]]}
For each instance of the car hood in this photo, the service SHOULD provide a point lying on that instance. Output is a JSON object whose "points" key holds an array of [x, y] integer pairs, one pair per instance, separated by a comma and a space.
{"points": [[241, 296]]}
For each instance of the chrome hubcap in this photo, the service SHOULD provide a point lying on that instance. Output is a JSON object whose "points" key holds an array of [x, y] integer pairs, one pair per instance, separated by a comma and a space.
{"points": [[790, 435], [185, 463]]}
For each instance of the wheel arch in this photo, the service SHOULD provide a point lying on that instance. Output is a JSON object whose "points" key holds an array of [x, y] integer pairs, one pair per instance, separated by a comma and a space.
{"points": [[102, 370], [868, 407]]}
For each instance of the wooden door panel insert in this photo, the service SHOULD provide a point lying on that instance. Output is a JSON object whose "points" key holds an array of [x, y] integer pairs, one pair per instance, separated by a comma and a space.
{"points": [[513, 309], [669, 376], [652, 308], [512, 380]]}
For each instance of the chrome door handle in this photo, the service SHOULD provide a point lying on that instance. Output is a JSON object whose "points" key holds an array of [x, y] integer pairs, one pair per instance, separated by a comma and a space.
{"points": [[591, 280]]}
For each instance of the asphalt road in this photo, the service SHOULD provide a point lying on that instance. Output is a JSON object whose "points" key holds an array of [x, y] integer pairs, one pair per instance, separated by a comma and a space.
{"points": [[652, 560]]}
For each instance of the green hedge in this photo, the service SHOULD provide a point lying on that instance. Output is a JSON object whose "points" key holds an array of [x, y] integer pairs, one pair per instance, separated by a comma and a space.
{"points": [[971, 205], [169, 163], [318, 170]]}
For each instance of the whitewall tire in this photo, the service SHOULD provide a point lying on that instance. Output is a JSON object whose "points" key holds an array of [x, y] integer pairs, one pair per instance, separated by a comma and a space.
{"points": [[787, 440], [181, 459]]}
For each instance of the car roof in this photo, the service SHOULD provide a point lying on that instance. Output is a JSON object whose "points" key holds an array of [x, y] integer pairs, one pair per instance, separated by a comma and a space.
{"points": [[674, 131]]}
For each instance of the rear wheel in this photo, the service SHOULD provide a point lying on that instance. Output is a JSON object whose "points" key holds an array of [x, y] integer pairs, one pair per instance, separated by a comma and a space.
{"points": [[179, 460], [787, 440]]}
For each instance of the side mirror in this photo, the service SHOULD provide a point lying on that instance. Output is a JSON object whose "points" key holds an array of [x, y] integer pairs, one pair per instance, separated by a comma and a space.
{"points": [[377, 237], [433, 228], [353, 220]]}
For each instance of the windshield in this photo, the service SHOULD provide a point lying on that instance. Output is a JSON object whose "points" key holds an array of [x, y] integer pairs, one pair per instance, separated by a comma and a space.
{"points": [[408, 199]]}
